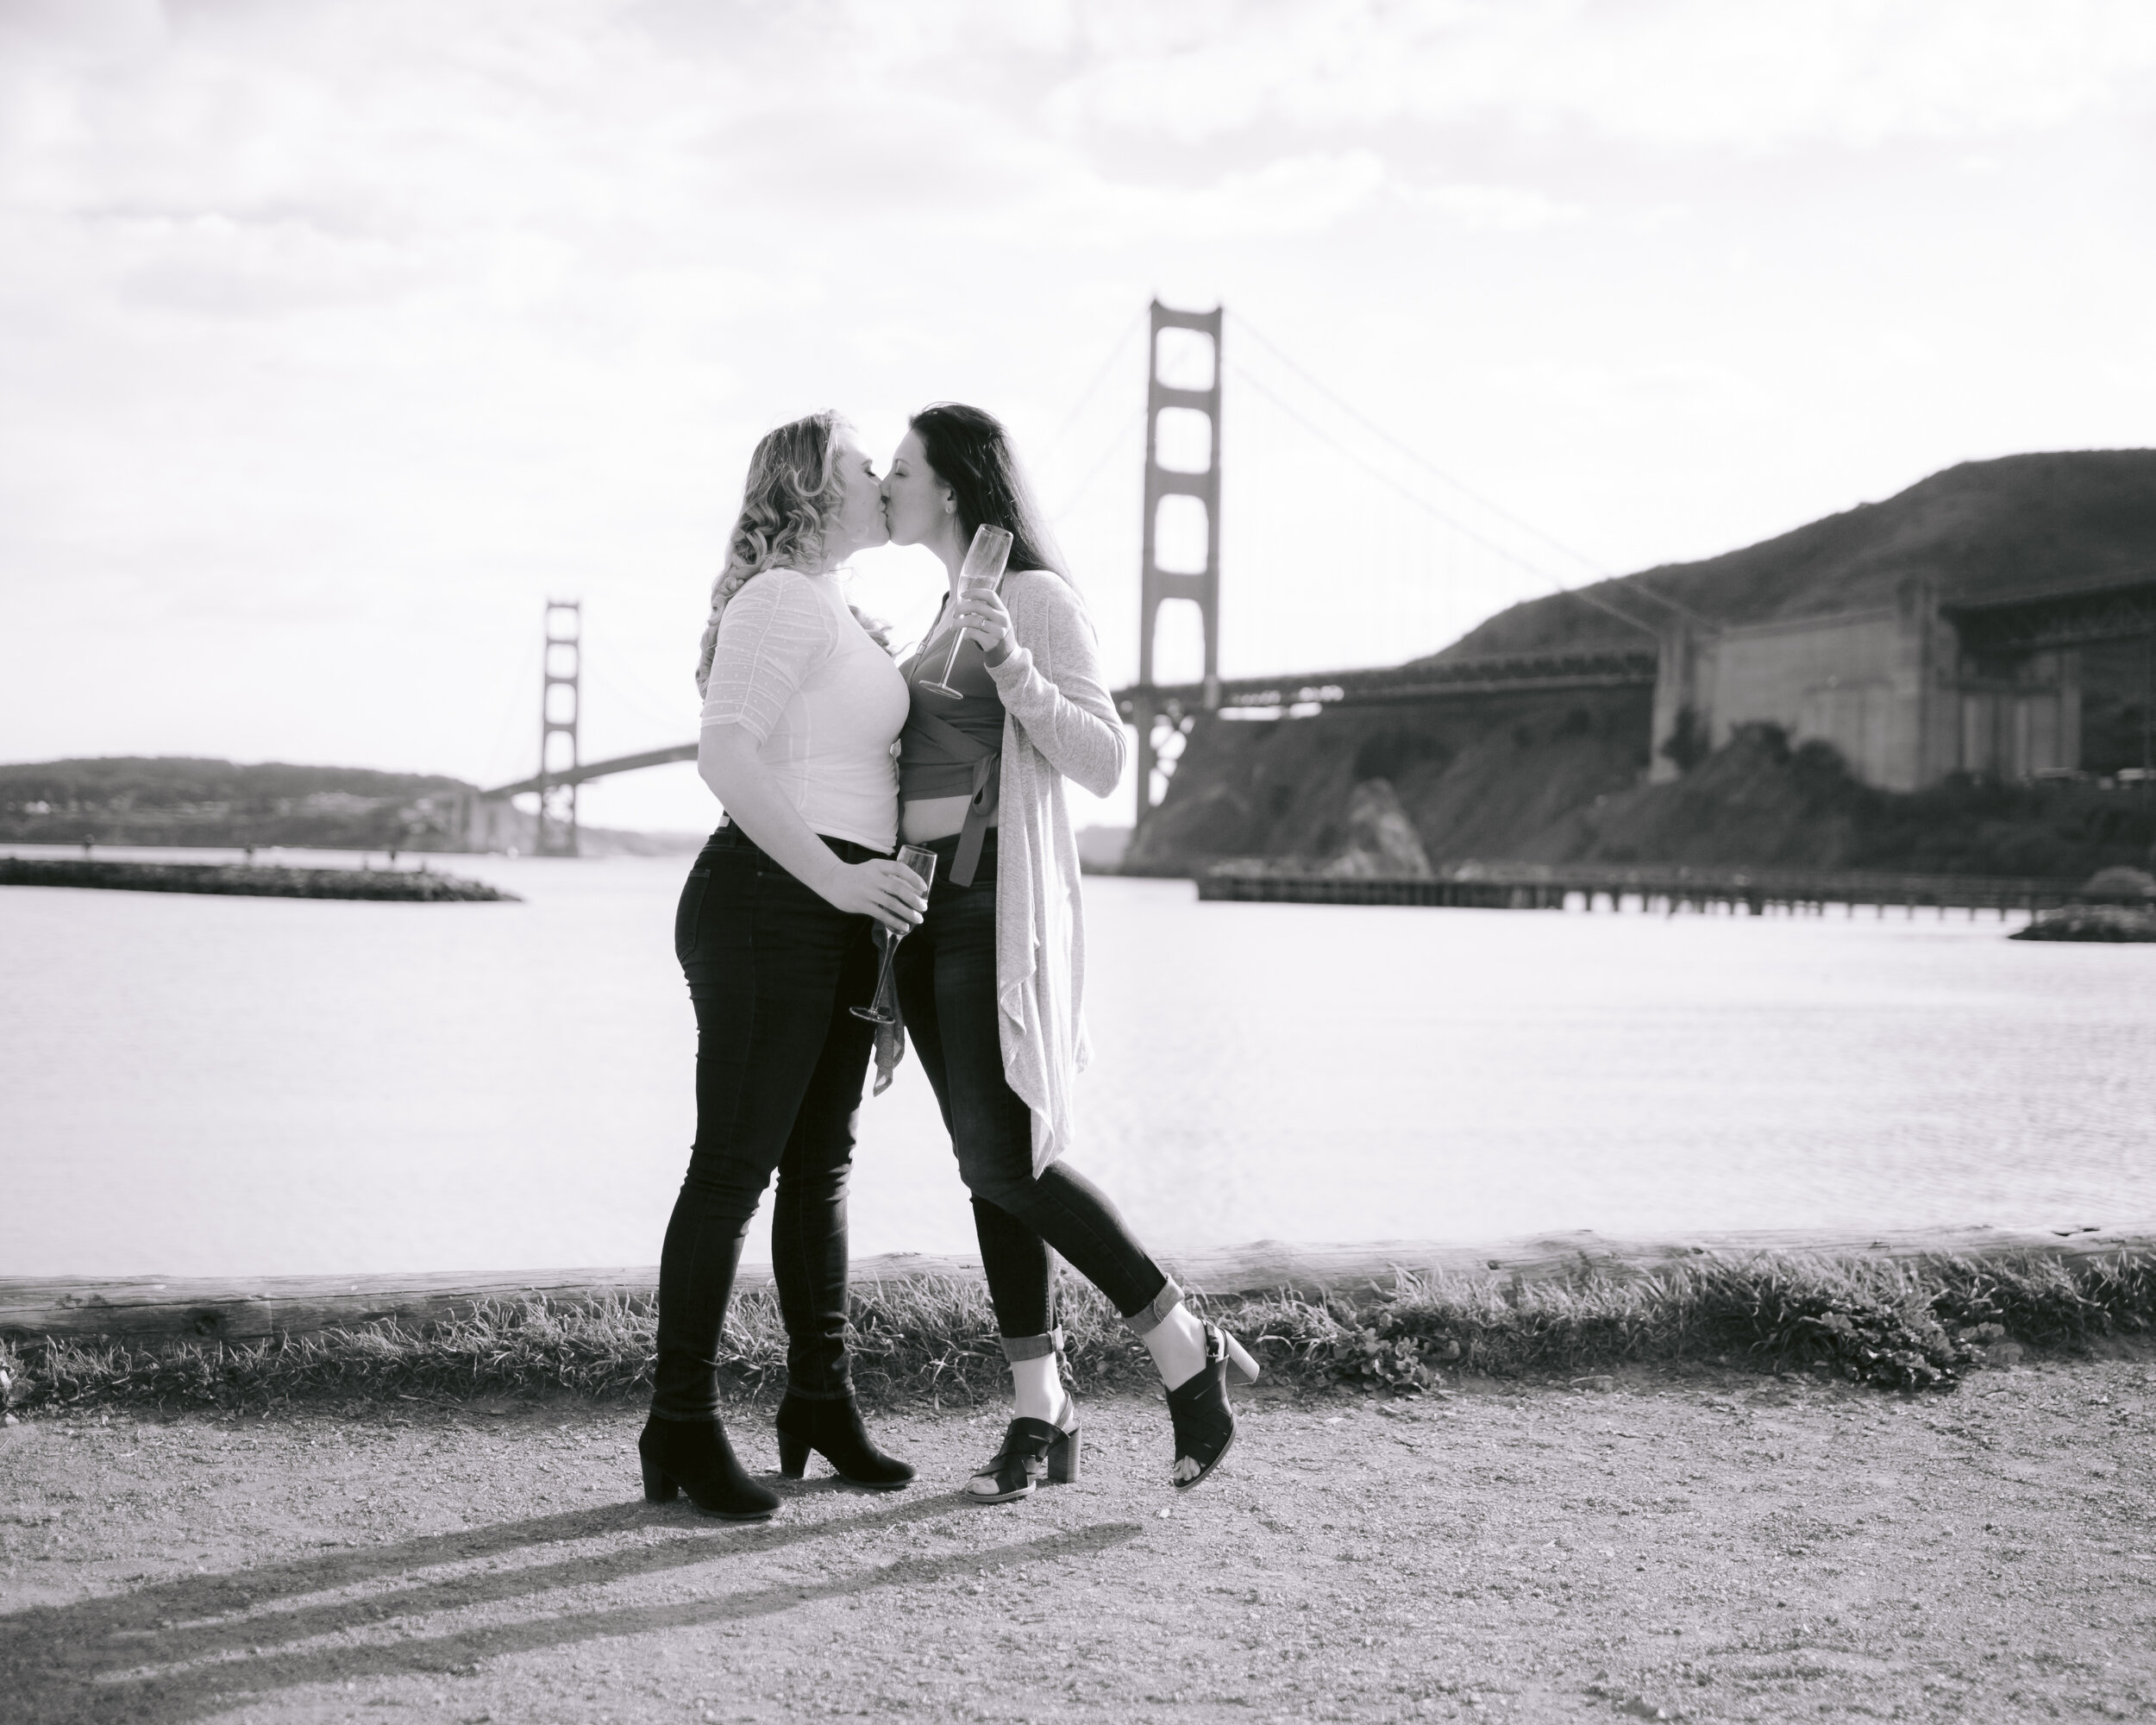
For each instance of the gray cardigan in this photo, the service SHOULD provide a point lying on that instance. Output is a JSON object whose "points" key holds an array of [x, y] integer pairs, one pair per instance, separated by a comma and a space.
{"points": [[1058, 724]]}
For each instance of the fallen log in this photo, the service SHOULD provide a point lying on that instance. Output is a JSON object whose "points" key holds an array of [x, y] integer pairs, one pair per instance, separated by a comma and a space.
{"points": [[227, 1309]]}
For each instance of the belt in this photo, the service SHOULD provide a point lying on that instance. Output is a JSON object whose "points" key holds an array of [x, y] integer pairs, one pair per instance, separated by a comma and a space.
{"points": [[731, 835]]}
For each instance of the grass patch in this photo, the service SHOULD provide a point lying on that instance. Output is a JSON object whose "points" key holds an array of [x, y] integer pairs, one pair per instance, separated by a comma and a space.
{"points": [[1894, 1324]]}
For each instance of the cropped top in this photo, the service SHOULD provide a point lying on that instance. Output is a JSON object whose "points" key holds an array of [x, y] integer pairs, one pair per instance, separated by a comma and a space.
{"points": [[796, 671], [953, 748]]}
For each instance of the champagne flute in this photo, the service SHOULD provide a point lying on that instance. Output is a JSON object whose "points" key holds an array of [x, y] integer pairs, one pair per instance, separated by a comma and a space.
{"points": [[979, 572], [884, 1009]]}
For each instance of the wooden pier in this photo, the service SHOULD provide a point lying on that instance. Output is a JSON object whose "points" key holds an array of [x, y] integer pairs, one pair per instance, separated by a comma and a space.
{"points": [[1523, 886]]}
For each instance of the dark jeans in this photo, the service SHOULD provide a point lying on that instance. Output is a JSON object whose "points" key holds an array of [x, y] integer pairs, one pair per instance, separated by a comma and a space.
{"points": [[946, 973], [780, 1063]]}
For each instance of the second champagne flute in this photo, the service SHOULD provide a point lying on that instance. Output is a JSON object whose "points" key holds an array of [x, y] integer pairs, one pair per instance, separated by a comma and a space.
{"points": [[982, 569], [884, 1008]]}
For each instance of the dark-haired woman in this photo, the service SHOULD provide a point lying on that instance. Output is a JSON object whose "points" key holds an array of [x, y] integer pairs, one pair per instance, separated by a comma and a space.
{"points": [[991, 984], [800, 708]]}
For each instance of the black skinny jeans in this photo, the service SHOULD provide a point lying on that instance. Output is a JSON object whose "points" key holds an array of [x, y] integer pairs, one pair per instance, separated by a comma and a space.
{"points": [[780, 1064], [946, 971]]}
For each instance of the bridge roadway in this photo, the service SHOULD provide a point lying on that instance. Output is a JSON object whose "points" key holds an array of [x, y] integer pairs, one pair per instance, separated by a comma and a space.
{"points": [[593, 769], [1299, 694], [1296, 694]]}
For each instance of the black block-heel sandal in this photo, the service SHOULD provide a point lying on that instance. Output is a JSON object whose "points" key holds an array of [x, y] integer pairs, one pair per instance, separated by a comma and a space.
{"points": [[1033, 1452], [1204, 1422]]}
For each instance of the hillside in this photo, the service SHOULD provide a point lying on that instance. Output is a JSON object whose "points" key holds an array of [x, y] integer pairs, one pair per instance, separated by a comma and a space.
{"points": [[129, 800], [1983, 531], [179, 800], [1559, 777]]}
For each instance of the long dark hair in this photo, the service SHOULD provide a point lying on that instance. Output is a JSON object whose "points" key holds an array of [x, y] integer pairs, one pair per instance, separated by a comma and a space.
{"points": [[971, 453]]}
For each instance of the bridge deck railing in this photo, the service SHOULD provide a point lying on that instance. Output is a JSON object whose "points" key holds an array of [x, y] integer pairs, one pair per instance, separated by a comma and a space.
{"points": [[1422, 680]]}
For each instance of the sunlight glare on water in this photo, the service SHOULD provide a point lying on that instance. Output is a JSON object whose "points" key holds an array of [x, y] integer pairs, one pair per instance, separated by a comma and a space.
{"points": [[224, 1086]]}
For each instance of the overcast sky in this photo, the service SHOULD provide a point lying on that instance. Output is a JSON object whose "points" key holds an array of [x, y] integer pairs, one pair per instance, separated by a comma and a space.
{"points": [[334, 338]]}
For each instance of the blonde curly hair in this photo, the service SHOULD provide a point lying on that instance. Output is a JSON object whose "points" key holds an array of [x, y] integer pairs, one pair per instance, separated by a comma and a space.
{"points": [[792, 491]]}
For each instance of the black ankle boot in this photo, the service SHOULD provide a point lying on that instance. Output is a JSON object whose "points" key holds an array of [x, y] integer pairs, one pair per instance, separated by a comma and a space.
{"points": [[834, 1431], [693, 1455]]}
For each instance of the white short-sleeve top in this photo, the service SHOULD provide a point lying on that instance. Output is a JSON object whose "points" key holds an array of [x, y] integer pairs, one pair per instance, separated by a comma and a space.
{"points": [[794, 668]]}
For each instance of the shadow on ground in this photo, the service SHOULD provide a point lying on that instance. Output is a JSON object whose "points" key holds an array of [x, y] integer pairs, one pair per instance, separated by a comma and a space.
{"points": [[188, 1648]]}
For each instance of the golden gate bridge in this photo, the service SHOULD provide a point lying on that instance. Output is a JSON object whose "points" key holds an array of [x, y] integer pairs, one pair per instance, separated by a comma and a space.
{"points": [[1907, 691], [1180, 508]]}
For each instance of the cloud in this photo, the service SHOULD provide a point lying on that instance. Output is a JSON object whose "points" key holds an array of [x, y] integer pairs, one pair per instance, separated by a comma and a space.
{"points": [[340, 323], [1508, 209], [1753, 77], [216, 267], [1296, 194]]}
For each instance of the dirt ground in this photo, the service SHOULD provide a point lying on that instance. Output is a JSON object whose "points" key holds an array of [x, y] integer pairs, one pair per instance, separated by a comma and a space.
{"points": [[1707, 1548]]}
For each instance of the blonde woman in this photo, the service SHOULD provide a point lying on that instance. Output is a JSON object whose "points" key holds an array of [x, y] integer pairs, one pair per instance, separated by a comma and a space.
{"points": [[773, 932], [991, 984]]}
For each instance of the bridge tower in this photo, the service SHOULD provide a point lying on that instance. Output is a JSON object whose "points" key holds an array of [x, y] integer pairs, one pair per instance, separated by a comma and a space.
{"points": [[561, 666], [1163, 724]]}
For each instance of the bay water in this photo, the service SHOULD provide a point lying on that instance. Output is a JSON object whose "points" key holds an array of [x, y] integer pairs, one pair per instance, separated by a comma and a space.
{"points": [[233, 1085]]}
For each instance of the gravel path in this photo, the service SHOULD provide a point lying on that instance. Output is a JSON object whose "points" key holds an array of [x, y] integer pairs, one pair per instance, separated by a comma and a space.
{"points": [[1704, 1546]]}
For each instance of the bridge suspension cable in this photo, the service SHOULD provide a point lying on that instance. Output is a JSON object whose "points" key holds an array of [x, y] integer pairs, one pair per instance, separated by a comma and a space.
{"points": [[1086, 395], [1243, 375], [515, 705], [557, 779], [1412, 453], [1117, 446], [601, 667]]}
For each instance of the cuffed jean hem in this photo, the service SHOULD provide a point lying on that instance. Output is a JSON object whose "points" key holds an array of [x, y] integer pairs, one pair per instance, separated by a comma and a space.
{"points": [[1147, 1318], [1018, 1348]]}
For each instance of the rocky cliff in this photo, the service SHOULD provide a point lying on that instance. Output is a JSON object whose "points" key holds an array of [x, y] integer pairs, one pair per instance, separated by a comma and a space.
{"points": [[1559, 776], [1495, 776]]}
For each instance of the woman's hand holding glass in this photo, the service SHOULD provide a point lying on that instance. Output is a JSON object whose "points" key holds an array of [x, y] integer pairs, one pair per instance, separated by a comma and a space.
{"points": [[978, 575], [920, 862], [985, 618], [884, 889]]}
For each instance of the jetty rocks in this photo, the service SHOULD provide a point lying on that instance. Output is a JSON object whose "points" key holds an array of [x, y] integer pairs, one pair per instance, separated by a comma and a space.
{"points": [[2090, 922], [420, 886], [2118, 905]]}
